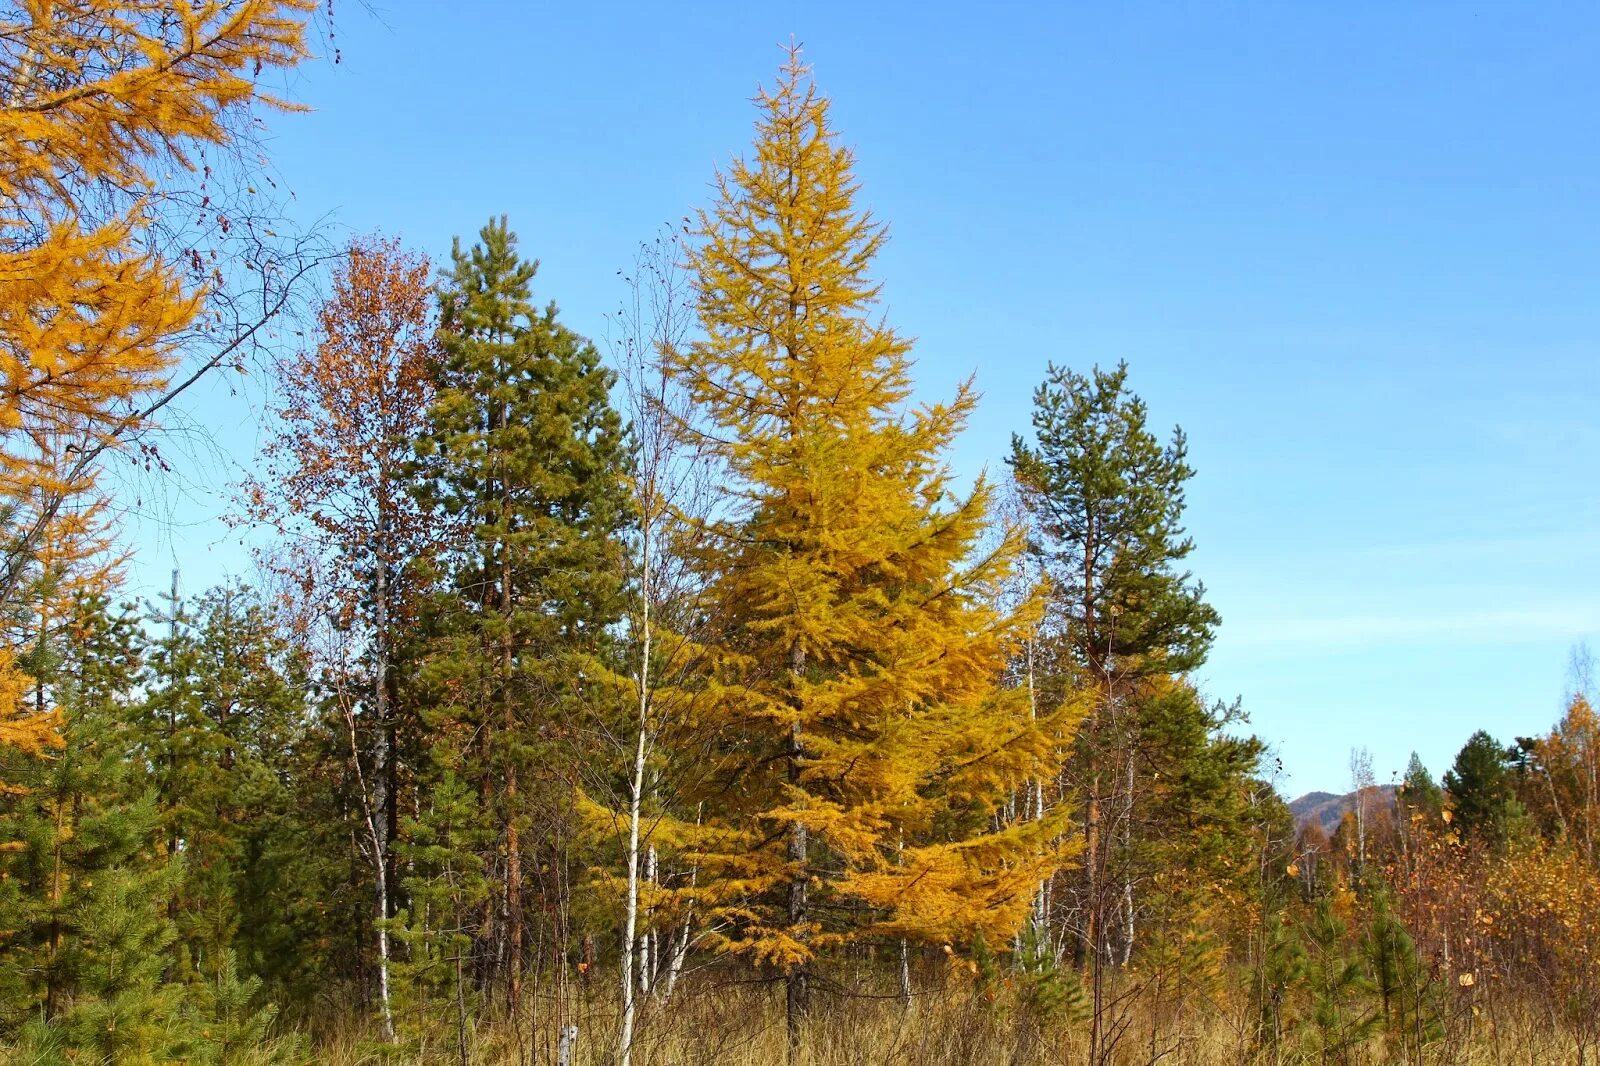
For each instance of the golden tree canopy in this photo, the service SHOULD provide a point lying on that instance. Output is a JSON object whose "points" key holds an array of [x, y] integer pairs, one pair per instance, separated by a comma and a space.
{"points": [[98, 101], [852, 678]]}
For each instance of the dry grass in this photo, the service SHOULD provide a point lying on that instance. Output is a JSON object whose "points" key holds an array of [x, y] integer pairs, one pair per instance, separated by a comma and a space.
{"points": [[741, 1024]]}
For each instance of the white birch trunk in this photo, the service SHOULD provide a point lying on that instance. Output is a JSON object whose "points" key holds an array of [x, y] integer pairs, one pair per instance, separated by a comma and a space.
{"points": [[376, 841], [649, 947], [679, 952], [378, 809], [1035, 809], [631, 919], [680, 948], [635, 800]]}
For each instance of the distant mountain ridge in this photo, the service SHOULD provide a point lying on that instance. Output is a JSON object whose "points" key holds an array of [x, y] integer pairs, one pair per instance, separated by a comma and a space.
{"points": [[1327, 808]]}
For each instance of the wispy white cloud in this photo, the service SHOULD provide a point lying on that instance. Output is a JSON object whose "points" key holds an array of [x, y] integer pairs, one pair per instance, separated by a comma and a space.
{"points": [[1355, 631], [1569, 544]]}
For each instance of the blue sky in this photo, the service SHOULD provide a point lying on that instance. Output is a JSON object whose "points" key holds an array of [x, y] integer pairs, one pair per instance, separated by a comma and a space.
{"points": [[1354, 253]]}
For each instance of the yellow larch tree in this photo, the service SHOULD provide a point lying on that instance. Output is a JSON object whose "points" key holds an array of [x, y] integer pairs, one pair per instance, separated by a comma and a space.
{"points": [[857, 745], [99, 102]]}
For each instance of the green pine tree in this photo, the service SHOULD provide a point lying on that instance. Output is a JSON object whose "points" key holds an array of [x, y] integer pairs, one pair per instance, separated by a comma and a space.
{"points": [[227, 706], [227, 1024], [121, 1008], [92, 938], [1106, 498], [1419, 792], [443, 849], [1482, 788], [1408, 996], [79, 822], [1278, 974], [1197, 799], [526, 457], [1340, 1016], [1047, 992]]}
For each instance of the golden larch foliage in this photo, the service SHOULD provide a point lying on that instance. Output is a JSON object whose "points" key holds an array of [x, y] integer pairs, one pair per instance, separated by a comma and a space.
{"points": [[31, 734], [97, 101], [860, 745]]}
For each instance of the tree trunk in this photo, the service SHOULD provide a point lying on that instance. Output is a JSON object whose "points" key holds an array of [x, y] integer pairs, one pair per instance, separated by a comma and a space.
{"points": [[461, 1010], [387, 1012], [371, 794], [649, 943], [680, 950], [512, 912], [1127, 877], [1092, 926], [513, 891], [636, 794], [57, 891], [631, 919], [383, 778], [796, 991], [1033, 809]]}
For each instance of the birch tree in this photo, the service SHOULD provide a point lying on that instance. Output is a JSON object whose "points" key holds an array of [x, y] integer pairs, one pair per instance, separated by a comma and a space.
{"points": [[336, 488], [667, 482]]}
